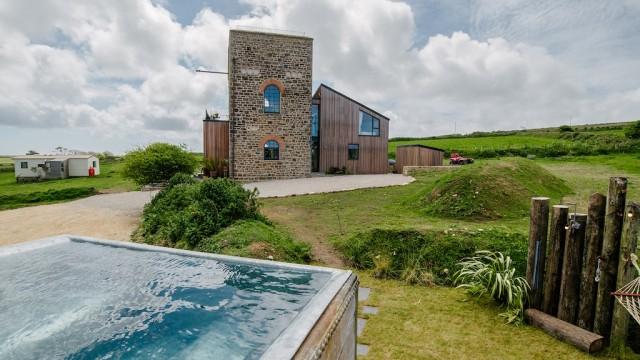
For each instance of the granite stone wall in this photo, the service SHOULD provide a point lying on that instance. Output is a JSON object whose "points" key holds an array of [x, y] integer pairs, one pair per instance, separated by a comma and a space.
{"points": [[257, 59]]}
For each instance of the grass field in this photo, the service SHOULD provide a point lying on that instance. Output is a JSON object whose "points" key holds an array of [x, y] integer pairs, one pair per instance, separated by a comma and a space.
{"points": [[438, 322], [16, 194]]}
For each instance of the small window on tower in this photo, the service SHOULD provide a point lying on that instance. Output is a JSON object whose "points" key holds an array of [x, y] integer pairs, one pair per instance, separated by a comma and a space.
{"points": [[271, 99], [271, 150]]}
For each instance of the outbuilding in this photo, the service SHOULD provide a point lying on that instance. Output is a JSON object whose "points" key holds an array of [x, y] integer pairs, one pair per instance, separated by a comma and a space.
{"points": [[418, 155], [47, 167]]}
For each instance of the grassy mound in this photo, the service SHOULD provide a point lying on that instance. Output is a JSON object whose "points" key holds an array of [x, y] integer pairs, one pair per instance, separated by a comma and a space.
{"points": [[492, 190], [215, 215], [256, 239], [426, 257]]}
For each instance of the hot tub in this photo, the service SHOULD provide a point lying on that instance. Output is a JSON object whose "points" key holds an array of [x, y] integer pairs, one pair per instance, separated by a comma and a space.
{"points": [[78, 298]]}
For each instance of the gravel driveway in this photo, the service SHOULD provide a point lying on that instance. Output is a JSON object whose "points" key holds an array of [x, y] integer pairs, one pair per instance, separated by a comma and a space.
{"points": [[325, 184], [115, 216]]}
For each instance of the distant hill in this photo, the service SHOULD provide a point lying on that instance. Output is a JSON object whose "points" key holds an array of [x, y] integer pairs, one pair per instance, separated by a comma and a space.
{"points": [[591, 139]]}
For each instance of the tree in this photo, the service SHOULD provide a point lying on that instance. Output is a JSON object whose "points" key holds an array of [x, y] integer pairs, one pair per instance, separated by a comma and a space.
{"points": [[566, 128], [158, 163], [633, 131], [32, 152]]}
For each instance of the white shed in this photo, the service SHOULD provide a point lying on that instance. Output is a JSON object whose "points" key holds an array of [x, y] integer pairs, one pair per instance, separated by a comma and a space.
{"points": [[33, 167]]}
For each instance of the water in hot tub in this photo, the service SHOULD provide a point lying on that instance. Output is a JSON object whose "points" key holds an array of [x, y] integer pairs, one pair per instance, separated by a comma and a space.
{"points": [[85, 301]]}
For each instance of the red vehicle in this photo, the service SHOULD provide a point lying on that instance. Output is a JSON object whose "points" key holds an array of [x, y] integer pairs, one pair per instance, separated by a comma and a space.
{"points": [[457, 159]]}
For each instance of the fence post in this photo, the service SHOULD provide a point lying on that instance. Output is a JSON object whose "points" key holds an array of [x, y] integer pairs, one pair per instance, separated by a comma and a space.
{"points": [[538, 227], [571, 269], [553, 269], [593, 247], [626, 271], [614, 215]]}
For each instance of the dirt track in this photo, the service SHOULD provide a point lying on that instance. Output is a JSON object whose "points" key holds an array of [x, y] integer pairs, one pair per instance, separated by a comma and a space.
{"points": [[108, 216]]}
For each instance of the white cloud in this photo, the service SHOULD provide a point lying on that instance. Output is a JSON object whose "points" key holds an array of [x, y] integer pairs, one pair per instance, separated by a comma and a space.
{"points": [[125, 66]]}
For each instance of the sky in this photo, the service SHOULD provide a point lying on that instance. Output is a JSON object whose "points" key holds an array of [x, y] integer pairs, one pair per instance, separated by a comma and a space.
{"points": [[112, 75]]}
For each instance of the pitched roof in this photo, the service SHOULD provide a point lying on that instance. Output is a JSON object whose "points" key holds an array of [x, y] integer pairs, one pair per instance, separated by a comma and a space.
{"points": [[52, 157], [348, 98]]}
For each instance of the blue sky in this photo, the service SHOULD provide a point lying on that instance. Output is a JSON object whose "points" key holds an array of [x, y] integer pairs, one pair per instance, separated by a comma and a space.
{"points": [[113, 75]]}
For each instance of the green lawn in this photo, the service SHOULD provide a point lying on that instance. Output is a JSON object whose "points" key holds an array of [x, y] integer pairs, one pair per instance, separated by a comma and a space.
{"points": [[482, 143], [417, 322], [23, 194]]}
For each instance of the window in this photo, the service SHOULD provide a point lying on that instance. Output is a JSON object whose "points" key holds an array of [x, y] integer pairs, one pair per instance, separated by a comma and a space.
{"points": [[271, 150], [369, 125], [94, 164], [24, 165], [314, 120], [271, 99], [354, 151]]}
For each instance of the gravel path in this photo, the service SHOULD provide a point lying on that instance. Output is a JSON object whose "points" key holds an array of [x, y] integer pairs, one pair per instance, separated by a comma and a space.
{"points": [[115, 216], [107, 216], [325, 184]]}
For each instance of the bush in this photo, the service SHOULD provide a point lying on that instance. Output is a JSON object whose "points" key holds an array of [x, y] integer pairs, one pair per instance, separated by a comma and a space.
{"points": [[426, 257], [256, 239], [494, 274], [633, 131], [157, 163], [565, 128], [186, 213]]}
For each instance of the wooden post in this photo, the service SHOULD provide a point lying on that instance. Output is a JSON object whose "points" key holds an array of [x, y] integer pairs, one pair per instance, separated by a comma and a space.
{"points": [[626, 271], [593, 248], [571, 269], [580, 338], [614, 215], [538, 227], [553, 272]]}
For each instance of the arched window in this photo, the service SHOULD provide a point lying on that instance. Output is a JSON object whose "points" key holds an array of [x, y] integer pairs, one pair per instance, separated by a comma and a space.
{"points": [[271, 99], [271, 150]]}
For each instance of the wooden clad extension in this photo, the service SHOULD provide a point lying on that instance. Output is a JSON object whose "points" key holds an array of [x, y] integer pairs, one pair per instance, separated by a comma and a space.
{"points": [[418, 155], [339, 127], [216, 139]]}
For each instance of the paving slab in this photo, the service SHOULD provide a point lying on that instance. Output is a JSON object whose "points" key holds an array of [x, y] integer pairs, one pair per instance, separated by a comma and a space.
{"points": [[370, 310], [325, 184], [363, 293], [362, 350], [360, 326]]}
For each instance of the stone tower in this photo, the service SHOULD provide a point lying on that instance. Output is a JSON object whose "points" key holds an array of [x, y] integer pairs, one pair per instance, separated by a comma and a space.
{"points": [[269, 105]]}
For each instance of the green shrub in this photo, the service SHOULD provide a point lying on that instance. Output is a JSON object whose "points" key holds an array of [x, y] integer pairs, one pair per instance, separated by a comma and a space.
{"points": [[256, 239], [157, 163], [494, 274], [633, 130], [492, 190], [427, 256], [185, 213], [565, 128]]}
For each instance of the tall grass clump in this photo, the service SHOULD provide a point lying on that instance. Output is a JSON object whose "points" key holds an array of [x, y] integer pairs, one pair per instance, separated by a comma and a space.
{"points": [[493, 274], [426, 257]]}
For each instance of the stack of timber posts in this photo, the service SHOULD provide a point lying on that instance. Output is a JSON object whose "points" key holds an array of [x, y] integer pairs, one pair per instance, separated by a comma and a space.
{"points": [[593, 247], [626, 271], [571, 269], [614, 216], [553, 270], [538, 227]]}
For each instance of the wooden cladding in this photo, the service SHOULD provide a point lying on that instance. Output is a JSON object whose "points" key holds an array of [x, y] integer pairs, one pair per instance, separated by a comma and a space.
{"points": [[216, 139], [339, 127], [417, 156]]}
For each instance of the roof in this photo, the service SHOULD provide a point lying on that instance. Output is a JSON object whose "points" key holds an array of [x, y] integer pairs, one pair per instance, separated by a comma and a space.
{"points": [[271, 32], [53, 157], [350, 99], [421, 146]]}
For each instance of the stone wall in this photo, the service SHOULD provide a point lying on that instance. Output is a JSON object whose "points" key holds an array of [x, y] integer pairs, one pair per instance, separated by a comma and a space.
{"points": [[254, 59]]}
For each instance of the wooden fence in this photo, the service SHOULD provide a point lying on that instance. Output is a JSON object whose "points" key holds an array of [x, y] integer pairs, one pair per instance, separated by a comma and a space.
{"points": [[576, 261]]}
